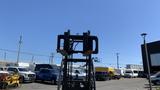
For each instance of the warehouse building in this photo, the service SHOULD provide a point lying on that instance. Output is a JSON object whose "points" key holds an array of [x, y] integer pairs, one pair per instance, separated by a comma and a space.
{"points": [[134, 66], [153, 55]]}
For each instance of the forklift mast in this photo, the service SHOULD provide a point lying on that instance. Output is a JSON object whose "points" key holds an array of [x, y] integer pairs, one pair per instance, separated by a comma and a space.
{"points": [[66, 46]]}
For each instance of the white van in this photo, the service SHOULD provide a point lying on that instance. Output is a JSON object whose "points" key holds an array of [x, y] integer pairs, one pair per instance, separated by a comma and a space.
{"points": [[131, 73]]}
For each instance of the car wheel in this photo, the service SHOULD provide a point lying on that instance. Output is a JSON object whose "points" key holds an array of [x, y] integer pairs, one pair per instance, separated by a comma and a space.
{"points": [[158, 83], [4, 86], [16, 85], [32, 81], [154, 83], [42, 81], [21, 79], [53, 82]]}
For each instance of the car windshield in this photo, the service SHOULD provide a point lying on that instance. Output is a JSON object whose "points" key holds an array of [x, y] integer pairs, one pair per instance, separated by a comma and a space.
{"points": [[1, 69], [23, 69], [158, 73], [135, 71], [55, 70], [44, 71], [128, 71], [45, 66]]}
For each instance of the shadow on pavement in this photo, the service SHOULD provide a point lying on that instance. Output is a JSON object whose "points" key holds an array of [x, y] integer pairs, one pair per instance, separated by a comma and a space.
{"points": [[44, 82], [156, 87]]}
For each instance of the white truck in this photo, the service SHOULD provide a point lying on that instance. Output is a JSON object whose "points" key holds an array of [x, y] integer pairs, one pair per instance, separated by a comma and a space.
{"points": [[25, 74]]}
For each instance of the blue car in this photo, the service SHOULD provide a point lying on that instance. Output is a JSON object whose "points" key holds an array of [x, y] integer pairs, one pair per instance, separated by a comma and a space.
{"points": [[48, 75]]}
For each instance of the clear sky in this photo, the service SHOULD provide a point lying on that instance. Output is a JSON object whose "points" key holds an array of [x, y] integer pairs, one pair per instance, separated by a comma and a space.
{"points": [[117, 23]]}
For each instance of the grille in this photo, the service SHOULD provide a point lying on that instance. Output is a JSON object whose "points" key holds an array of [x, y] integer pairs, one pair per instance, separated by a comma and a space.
{"points": [[31, 75]]}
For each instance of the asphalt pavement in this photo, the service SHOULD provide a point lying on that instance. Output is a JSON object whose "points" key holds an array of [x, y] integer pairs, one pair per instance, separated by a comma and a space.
{"points": [[123, 84]]}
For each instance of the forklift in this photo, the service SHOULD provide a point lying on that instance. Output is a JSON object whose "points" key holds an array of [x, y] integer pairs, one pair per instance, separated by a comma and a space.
{"points": [[71, 46], [8, 80]]}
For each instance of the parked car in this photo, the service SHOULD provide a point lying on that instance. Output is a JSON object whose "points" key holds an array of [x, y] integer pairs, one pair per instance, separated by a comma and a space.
{"points": [[48, 75], [131, 73], [25, 74], [141, 74], [38, 67], [155, 79]]}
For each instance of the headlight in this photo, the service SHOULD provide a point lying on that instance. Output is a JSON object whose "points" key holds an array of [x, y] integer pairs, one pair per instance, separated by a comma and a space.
{"points": [[25, 75]]}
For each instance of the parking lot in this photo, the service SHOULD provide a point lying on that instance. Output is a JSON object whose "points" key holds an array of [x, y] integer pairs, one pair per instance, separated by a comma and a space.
{"points": [[123, 84]]}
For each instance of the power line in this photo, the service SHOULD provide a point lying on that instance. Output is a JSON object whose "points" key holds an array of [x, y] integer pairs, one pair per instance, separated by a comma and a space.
{"points": [[27, 53]]}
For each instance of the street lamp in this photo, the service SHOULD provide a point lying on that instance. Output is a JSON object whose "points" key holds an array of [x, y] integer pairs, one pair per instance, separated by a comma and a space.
{"points": [[147, 60]]}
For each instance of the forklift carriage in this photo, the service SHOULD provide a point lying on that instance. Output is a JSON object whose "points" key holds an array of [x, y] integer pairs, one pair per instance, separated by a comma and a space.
{"points": [[67, 46]]}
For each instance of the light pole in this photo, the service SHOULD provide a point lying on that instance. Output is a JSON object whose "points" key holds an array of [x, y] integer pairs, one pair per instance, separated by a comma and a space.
{"points": [[147, 60], [117, 54]]}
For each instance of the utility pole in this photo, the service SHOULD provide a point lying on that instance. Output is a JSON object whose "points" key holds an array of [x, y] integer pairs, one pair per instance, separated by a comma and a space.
{"points": [[51, 58], [19, 49], [5, 56], [4, 60], [147, 60], [32, 60], [117, 54]]}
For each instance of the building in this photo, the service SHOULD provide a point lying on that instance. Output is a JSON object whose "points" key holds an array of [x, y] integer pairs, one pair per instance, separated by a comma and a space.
{"points": [[6, 63], [134, 66], [153, 56]]}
